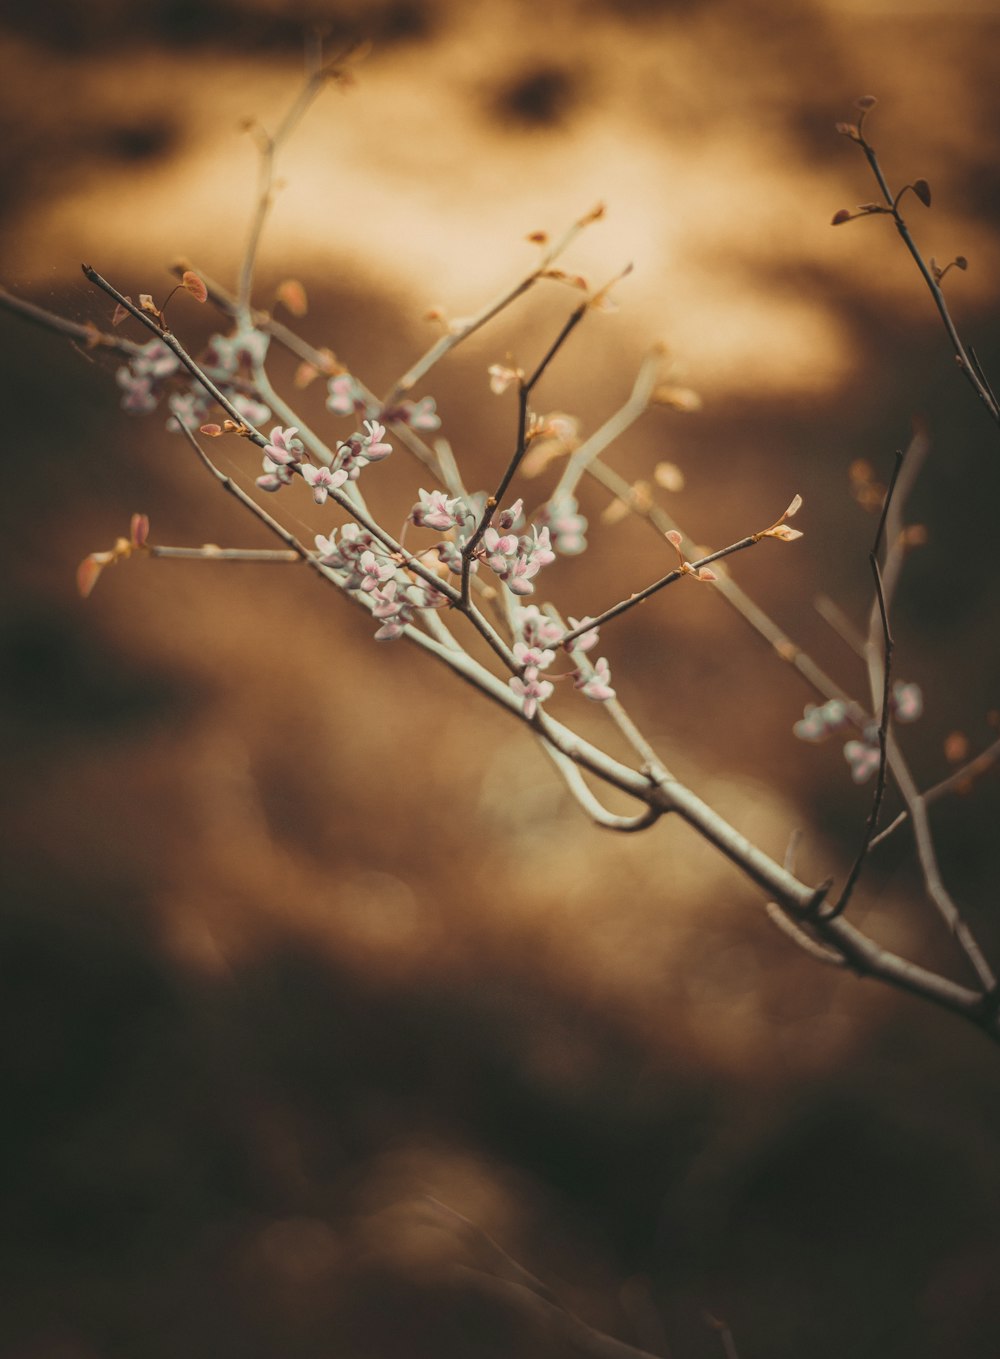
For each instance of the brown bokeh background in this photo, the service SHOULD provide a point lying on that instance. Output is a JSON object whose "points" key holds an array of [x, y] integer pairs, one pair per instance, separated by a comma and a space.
{"points": [[296, 932]]}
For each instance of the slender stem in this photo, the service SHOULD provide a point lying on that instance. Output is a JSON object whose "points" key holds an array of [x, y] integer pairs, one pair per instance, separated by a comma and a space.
{"points": [[462, 332], [968, 367], [980, 764], [224, 554], [469, 550], [269, 146], [883, 745], [88, 335], [670, 578]]}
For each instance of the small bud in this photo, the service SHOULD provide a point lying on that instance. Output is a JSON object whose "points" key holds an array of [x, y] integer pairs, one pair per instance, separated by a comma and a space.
{"points": [[669, 476], [211, 431], [538, 237], [139, 530], [146, 302], [961, 262], [842, 215], [706, 573], [677, 398], [956, 747], [674, 538], [783, 533], [866, 102], [848, 130], [594, 215], [923, 191]]}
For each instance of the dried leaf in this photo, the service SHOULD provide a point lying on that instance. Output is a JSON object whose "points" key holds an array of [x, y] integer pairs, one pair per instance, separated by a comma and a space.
{"points": [[146, 302], [119, 314], [292, 295]]}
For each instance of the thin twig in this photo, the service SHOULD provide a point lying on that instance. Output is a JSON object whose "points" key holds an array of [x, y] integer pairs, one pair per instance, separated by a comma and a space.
{"points": [[640, 597], [527, 385], [462, 331], [979, 764], [871, 825], [965, 362]]}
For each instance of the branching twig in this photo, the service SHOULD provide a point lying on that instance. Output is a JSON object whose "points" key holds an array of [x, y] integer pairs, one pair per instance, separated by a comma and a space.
{"points": [[931, 276]]}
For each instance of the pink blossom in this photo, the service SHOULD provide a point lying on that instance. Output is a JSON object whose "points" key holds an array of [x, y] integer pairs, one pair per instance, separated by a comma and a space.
{"points": [[586, 640], [374, 572], [373, 447], [284, 448], [598, 685], [531, 689], [323, 481], [435, 510], [863, 758], [537, 658]]}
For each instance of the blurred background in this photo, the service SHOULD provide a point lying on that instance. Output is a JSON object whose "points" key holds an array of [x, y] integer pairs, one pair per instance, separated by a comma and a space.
{"points": [[296, 935]]}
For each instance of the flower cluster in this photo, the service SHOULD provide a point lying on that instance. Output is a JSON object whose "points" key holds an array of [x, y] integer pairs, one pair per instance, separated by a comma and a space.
{"points": [[284, 455], [535, 652], [366, 566], [346, 396], [229, 360], [515, 558], [906, 704], [143, 377], [566, 526]]}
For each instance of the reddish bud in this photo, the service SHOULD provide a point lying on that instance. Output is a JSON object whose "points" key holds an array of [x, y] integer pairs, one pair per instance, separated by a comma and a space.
{"points": [[292, 295], [87, 572], [194, 285], [866, 102], [956, 747], [139, 530], [538, 237], [210, 431], [843, 215], [961, 262]]}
